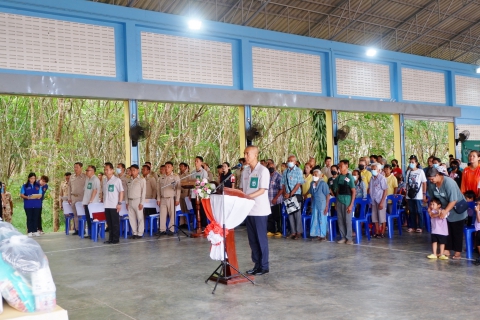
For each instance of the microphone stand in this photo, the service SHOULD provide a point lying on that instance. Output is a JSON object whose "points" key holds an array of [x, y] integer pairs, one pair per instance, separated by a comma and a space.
{"points": [[222, 275]]}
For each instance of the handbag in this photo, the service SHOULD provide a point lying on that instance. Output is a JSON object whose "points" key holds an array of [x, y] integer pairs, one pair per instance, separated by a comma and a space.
{"points": [[291, 204], [461, 206]]}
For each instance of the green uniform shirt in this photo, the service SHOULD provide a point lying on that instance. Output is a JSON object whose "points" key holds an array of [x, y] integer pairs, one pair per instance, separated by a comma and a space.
{"points": [[347, 180]]}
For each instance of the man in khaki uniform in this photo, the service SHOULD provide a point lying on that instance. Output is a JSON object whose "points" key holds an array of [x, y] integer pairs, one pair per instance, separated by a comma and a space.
{"points": [[168, 196], [136, 191], [152, 173], [75, 190], [151, 189], [122, 175]]}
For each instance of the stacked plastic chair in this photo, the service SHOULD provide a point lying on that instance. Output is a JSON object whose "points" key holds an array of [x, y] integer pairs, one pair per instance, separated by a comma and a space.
{"points": [[332, 221], [305, 217], [98, 225], [68, 213], [81, 219], [395, 214]]}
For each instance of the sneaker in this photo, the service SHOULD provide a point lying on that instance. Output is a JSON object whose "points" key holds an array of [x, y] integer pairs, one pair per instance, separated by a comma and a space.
{"points": [[443, 257], [270, 234], [432, 256], [349, 242], [30, 234], [341, 241], [36, 234], [41, 232]]}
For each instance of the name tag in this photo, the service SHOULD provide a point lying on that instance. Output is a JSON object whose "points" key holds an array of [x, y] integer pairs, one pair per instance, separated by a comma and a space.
{"points": [[89, 185], [111, 188], [347, 180], [198, 177], [254, 182]]}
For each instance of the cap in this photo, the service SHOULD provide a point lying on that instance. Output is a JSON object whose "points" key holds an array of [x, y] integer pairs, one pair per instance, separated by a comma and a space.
{"points": [[134, 166], [413, 157], [432, 172]]}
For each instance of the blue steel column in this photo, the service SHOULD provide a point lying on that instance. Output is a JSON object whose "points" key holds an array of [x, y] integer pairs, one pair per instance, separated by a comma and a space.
{"points": [[134, 155], [335, 145], [248, 121], [402, 142]]}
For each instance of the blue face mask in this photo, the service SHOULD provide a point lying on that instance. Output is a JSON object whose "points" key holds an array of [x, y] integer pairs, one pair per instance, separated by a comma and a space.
{"points": [[435, 165], [291, 165], [412, 165], [374, 173], [119, 170]]}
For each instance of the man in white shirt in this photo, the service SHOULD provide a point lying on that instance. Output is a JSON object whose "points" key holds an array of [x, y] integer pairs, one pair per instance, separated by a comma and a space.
{"points": [[255, 183], [112, 201], [90, 194]]}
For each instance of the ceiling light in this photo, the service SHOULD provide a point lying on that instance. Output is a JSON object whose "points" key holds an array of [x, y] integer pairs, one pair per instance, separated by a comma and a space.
{"points": [[194, 24], [477, 70], [371, 52]]}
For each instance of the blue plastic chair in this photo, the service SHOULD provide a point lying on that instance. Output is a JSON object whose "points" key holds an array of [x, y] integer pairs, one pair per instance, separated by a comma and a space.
{"points": [[81, 226], [468, 232], [97, 226], [191, 212], [395, 214], [153, 222], [426, 218], [68, 214], [305, 217], [284, 221], [179, 214], [332, 221], [357, 222]]}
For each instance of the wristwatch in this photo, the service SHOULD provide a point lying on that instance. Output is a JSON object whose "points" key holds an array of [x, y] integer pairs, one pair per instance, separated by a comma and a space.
{"points": [[119, 203]]}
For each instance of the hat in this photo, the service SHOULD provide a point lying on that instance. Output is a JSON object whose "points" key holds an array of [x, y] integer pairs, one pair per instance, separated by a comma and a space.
{"points": [[134, 166], [413, 157], [432, 172]]}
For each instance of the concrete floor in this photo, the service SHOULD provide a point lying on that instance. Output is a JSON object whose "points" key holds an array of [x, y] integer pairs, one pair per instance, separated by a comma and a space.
{"points": [[159, 279]]}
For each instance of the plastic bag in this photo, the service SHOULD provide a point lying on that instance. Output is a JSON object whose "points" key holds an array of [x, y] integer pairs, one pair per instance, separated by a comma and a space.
{"points": [[7, 225], [6, 233], [26, 278], [22, 253]]}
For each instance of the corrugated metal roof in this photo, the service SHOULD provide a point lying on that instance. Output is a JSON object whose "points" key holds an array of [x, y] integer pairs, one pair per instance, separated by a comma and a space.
{"points": [[444, 29]]}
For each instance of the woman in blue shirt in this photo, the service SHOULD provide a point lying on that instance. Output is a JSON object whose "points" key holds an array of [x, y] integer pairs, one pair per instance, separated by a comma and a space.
{"points": [[320, 198], [31, 203]]}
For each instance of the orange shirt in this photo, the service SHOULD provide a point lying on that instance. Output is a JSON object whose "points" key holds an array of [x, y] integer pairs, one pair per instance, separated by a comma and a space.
{"points": [[470, 179]]}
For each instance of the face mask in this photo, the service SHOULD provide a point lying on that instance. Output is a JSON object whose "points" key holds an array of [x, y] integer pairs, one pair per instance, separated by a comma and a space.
{"points": [[271, 170], [315, 179], [361, 167], [355, 178], [435, 165], [119, 170], [453, 167], [412, 165], [374, 173], [291, 165], [381, 166], [334, 173], [394, 165], [372, 161]]}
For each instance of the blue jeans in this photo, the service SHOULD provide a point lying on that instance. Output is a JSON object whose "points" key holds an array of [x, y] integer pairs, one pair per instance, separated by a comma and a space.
{"points": [[415, 208]]}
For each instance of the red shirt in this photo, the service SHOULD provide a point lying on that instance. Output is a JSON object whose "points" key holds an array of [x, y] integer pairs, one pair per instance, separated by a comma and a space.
{"points": [[470, 180], [397, 171]]}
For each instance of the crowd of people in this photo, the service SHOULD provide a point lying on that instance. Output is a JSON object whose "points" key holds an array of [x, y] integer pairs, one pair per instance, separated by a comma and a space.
{"points": [[441, 186]]}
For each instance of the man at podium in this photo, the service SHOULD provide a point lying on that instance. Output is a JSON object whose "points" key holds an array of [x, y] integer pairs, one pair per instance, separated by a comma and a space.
{"points": [[255, 182]]}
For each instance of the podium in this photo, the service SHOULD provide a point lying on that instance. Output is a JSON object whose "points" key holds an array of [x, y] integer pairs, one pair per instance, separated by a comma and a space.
{"points": [[190, 184], [234, 206]]}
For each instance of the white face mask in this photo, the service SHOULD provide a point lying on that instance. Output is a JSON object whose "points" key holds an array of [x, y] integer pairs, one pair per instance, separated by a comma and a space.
{"points": [[119, 170], [316, 178], [290, 164], [355, 178], [374, 173]]}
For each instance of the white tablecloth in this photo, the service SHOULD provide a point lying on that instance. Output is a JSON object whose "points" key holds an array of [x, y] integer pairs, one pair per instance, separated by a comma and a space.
{"points": [[236, 209]]}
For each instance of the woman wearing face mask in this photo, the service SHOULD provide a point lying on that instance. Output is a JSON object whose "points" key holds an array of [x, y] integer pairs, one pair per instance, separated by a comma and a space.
{"points": [[396, 169], [416, 192], [320, 198], [307, 177], [31, 193], [334, 171], [471, 174], [455, 172], [360, 187]]}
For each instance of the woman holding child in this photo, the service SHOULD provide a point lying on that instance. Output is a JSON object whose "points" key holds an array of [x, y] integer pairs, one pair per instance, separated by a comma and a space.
{"points": [[446, 190]]}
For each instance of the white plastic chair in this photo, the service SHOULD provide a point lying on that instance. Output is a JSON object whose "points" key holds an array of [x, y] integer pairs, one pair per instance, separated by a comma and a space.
{"points": [[68, 213], [96, 208], [153, 218], [81, 218]]}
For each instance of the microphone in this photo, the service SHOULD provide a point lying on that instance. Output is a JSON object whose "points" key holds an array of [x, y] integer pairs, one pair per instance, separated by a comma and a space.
{"points": [[238, 166]]}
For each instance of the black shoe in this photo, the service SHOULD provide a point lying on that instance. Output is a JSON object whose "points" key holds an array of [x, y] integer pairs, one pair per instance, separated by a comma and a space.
{"points": [[115, 242], [477, 262], [260, 272], [169, 233], [107, 242], [75, 233], [252, 271], [183, 226], [87, 237], [159, 234], [131, 237]]}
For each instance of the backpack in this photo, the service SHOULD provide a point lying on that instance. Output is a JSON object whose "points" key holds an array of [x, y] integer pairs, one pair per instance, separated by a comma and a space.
{"points": [[412, 189]]}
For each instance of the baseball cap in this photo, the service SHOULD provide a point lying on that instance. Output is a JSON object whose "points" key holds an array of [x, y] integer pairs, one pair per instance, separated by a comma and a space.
{"points": [[413, 157]]}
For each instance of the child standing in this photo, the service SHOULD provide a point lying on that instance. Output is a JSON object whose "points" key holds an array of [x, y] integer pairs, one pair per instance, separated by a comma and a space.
{"points": [[439, 229]]}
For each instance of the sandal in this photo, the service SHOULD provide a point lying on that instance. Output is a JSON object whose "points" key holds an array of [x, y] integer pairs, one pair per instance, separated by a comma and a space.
{"points": [[409, 230], [293, 235], [419, 230], [457, 257]]}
